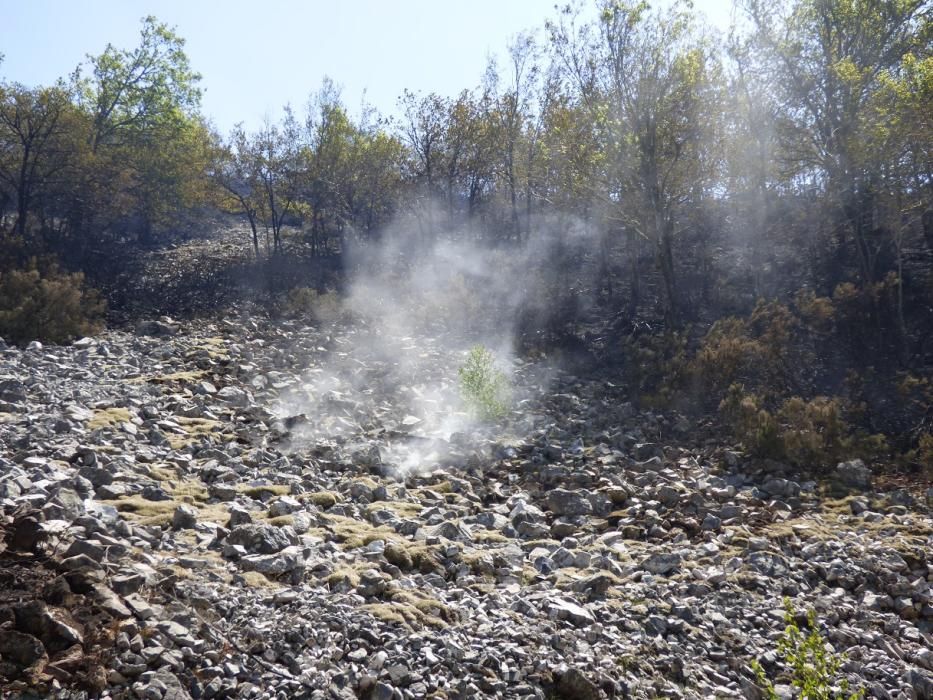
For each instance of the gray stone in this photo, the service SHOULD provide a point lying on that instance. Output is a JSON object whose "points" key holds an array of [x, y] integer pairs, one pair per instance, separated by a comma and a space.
{"points": [[662, 563], [562, 609], [564, 502], [854, 473], [382, 691], [261, 538], [284, 505], [289, 559], [185, 517]]}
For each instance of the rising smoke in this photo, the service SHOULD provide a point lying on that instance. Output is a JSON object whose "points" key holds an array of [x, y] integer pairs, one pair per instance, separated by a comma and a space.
{"points": [[419, 299]]}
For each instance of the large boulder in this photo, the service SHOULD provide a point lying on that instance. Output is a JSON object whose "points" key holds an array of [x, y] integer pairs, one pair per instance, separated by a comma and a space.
{"points": [[854, 474], [260, 538], [564, 502]]}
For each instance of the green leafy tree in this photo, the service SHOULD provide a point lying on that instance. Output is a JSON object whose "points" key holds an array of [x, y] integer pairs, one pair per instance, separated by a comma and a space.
{"points": [[36, 151], [650, 82], [831, 58], [149, 147], [135, 90], [236, 172]]}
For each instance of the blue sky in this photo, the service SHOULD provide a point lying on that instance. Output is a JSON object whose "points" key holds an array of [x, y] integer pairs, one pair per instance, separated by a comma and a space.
{"points": [[257, 56]]}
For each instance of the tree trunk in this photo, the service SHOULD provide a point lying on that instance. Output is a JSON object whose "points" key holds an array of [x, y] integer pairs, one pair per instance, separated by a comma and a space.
{"points": [[665, 259], [252, 224], [635, 298]]}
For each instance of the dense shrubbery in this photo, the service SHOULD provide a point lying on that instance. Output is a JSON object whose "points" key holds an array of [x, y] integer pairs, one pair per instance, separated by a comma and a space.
{"points": [[758, 351], [47, 305], [655, 367], [813, 434], [786, 384]]}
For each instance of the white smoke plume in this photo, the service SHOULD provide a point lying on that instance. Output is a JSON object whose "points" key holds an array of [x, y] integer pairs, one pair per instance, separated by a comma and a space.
{"points": [[419, 300]]}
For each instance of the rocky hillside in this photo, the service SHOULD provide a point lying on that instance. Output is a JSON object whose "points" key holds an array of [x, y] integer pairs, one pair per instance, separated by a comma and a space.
{"points": [[254, 510]]}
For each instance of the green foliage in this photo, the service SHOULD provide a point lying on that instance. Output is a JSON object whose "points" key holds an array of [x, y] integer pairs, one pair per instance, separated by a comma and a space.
{"points": [[484, 389], [814, 669], [51, 306], [132, 92], [923, 455]]}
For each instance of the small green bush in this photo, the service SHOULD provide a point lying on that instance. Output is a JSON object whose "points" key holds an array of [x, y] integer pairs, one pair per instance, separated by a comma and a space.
{"points": [[814, 669], [484, 389], [50, 305]]}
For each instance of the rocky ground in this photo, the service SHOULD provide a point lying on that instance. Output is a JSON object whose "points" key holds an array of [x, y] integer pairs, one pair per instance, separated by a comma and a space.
{"points": [[248, 509]]}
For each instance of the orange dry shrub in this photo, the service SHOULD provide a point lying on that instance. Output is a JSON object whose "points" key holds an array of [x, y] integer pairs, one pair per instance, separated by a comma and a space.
{"points": [[755, 351], [818, 313]]}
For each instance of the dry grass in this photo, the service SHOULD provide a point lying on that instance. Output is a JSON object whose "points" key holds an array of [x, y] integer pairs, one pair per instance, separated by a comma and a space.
{"points": [[353, 534], [365, 481], [489, 537], [254, 579], [188, 490], [108, 418], [193, 428], [264, 490], [164, 472], [357, 533], [401, 508], [216, 348], [441, 487], [323, 499], [144, 512], [188, 377], [424, 604], [829, 525], [348, 573], [412, 611]]}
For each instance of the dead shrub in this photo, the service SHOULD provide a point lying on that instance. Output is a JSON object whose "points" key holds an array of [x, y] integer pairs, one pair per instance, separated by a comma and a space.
{"points": [[817, 313]]}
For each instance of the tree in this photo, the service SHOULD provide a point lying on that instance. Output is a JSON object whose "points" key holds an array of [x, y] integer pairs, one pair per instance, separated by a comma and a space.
{"points": [[511, 116], [423, 132], [278, 151], [136, 90], [147, 137], [236, 171], [35, 150], [649, 81], [752, 177], [329, 186], [831, 58], [377, 174]]}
